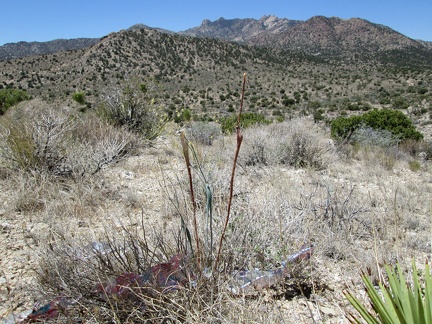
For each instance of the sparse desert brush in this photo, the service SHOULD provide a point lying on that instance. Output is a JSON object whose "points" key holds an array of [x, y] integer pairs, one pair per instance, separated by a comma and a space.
{"points": [[204, 133], [132, 105], [97, 144], [33, 141], [57, 142], [303, 194], [298, 143]]}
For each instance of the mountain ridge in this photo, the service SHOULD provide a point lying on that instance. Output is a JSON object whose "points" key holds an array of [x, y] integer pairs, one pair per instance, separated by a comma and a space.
{"points": [[24, 49], [240, 30], [318, 35]]}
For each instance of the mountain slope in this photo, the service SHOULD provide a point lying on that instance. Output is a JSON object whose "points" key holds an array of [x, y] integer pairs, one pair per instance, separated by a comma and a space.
{"points": [[337, 35], [25, 49], [240, 30], [330, 38]]}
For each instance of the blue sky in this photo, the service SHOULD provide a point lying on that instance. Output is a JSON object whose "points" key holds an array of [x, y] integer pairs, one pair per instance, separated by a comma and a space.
{"points": [[43, 20]]}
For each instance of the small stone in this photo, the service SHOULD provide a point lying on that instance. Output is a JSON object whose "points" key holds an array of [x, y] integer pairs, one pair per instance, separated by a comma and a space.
{"points": [[328, 311], [40, 229], [5, 227]]}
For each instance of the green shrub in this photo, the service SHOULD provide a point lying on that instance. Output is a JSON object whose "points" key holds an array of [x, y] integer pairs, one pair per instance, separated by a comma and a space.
{"points": [[79, 97], [184, 116], [393, 121], [248, 119], [10, 97], [414, 165]]}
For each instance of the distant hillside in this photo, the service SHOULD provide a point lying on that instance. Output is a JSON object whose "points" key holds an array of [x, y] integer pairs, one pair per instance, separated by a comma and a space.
{"points": [[25, 49], [142, 26], [201, 75], [348, 38], [330, 38]]}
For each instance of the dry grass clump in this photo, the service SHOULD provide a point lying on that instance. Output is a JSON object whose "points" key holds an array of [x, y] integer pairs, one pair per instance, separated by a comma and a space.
{"points": [[78, 271], [204, 133], [299, 143], [75, 269]]}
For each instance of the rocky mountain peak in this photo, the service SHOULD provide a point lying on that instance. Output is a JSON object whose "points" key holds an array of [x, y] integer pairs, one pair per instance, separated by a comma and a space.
{"points": [[205, 22], [240, 30]]}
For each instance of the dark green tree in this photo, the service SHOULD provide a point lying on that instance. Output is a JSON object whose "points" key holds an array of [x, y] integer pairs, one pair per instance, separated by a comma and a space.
{"points": [[393, 121]]}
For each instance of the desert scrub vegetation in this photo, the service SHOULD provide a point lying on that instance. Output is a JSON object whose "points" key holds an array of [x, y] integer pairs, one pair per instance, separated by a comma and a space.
{"points": [[298, 143], [59, 142], [132, 105], [274, 210], [204, 133], [79, 270], [249, 119], [300, 191]]}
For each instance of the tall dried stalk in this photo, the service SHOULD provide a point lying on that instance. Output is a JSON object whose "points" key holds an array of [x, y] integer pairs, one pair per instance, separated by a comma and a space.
{"points": [[239, 141], [185, 146]]}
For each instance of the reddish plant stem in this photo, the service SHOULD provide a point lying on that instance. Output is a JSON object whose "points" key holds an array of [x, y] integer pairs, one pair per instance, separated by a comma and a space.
{"points": [[239, 141]]}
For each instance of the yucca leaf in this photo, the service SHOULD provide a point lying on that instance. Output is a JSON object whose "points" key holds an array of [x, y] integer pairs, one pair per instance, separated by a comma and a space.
{"points": [[399, 303], [187, 233], [428, 295], [361, 309], [392, 311], [383, 307], [417, 302], [400, 293]]}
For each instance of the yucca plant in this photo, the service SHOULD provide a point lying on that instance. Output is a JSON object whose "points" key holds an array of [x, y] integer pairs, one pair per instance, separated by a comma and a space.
{"points": [[396, 302], [209, 250]]}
